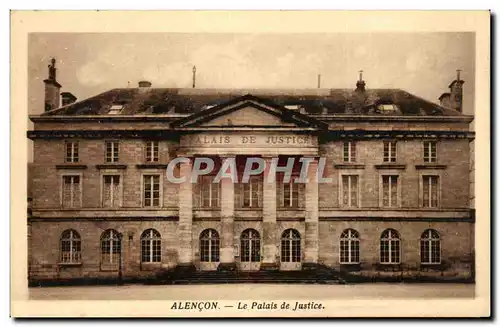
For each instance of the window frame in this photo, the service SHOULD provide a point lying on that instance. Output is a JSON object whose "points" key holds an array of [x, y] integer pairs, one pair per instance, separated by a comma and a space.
{"points": [[250, 240], [120, 192], [160, 178], [439, 189], [429, 159], [113, 151], [200, 189], [71, 239], [350, 239], [429, 241], [341, 189], [294, 242], [295, 188], [260, 193], [392, 151], [114, 237], [214, 245], [155, 246], [398, 191], [351, 145], [71, 158], [61, 187], [390, 239], [151, 148]]}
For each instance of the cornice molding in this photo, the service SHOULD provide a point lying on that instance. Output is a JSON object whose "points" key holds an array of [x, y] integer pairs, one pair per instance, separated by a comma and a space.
{"points": [[324, 135], [430, 166], [390, 166], [71, 166], [111, 166]]}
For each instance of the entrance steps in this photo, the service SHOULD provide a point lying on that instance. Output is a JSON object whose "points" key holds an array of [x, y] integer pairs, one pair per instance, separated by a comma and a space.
{"points": [[319, 275]]}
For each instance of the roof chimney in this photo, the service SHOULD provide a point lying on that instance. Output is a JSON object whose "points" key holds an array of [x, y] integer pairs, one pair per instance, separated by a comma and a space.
{"points": [[194, 77], [456, 93], [144, 86], [360, 84], [52, 88]]}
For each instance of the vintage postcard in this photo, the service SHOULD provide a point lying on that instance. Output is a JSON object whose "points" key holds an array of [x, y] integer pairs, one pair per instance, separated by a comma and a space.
{"points": [[250, 164]]}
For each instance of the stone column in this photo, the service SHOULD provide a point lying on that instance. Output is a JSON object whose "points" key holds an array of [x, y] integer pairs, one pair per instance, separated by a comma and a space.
{"points": [[186, 217], [227, 225], [269, 225], [311, 219]]}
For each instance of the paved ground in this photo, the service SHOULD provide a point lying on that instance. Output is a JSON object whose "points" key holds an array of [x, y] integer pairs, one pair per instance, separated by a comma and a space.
{"points": [[252, 291]]}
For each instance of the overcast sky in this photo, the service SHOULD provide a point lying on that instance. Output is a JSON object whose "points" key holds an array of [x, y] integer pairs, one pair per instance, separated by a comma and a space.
{"points": [[423, 64]]}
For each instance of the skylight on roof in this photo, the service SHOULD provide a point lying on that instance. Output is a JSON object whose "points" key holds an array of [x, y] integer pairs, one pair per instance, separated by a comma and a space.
{"points": [[208, 106], [115, 109], [387, 107], [292, 106]]}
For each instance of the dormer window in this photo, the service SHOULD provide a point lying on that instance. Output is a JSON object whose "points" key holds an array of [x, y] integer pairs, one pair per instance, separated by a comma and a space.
{"points": [[387, 107], [115, 109]]}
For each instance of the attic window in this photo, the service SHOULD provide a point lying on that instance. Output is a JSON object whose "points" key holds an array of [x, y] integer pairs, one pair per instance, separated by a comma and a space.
{"points": [[387, 107], [115, 109]]}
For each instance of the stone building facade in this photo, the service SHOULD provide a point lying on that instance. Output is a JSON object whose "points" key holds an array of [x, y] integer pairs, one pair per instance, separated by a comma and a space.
{"points": [[396, 200]]}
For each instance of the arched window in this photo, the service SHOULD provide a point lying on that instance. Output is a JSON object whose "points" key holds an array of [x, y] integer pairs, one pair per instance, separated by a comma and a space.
{"points": [[349, 246], [71, 246], [110, 247], [151, 246], [430, 247], [250, 246], [209, 246], [390, 246], [290, 246]]}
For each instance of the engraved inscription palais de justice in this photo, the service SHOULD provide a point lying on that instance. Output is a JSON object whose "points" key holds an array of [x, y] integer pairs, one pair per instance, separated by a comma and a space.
{"points": [[397, 204], [250, 139]]}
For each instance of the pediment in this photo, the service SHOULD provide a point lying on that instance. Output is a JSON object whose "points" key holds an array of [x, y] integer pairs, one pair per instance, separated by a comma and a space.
{"points": [[248, 111]]}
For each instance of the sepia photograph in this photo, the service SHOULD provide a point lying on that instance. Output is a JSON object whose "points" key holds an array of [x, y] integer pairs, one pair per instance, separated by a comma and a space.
{"points": [[252, 173]]}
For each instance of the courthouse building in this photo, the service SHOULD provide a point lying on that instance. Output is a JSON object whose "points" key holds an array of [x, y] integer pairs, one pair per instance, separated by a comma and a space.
{"points": [[397, 201]]}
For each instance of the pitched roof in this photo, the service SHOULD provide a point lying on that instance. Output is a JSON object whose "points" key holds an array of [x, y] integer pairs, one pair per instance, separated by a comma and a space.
{"points": [[153, 101], [265, 105]]}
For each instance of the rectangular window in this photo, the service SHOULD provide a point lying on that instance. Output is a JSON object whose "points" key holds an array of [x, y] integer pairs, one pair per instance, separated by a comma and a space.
{"points": [[290, 194], [72, 152], [350, 190], [252, 192], [111, 191], [390, 191], [151, 195], [209, 192], [430, 153], [390, 151], [430, 191], [349, 151], [389, 251], [152, 151], [71, 192], [112, 149], [430, 251]]}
